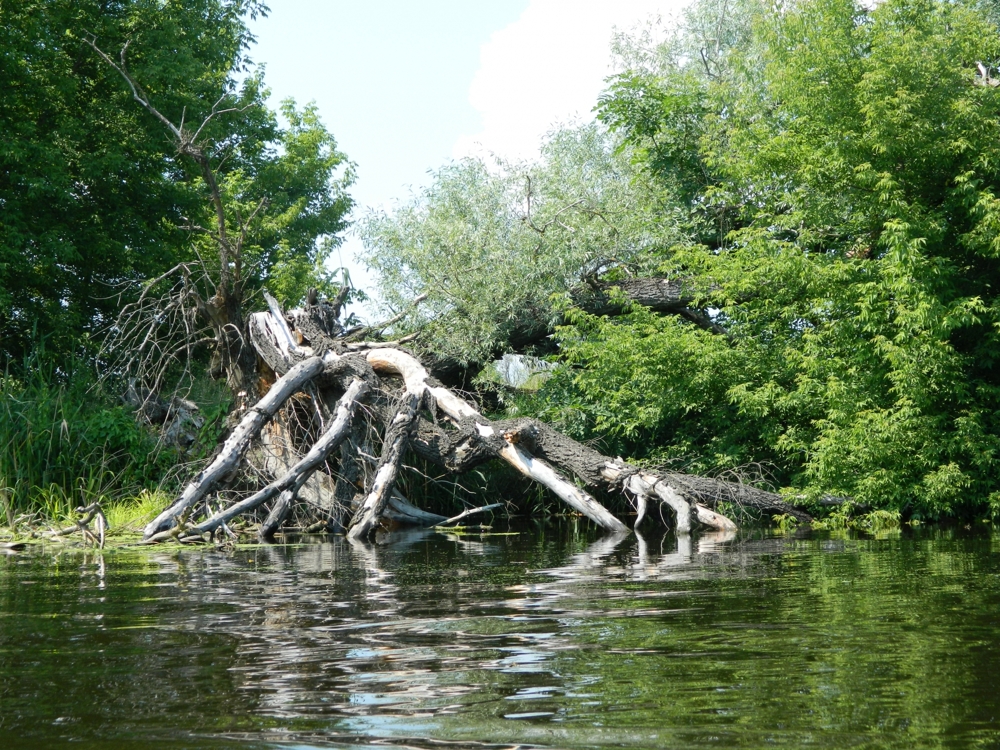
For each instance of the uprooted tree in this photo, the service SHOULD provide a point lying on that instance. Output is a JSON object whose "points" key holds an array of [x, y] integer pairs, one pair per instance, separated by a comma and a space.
{"points": [[330, 396]]}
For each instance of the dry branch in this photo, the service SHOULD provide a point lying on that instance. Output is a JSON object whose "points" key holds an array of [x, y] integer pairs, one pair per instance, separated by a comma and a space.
{"points": [[295, 478], [233, 450], [470, 512], [367, 518], [88, 514]]}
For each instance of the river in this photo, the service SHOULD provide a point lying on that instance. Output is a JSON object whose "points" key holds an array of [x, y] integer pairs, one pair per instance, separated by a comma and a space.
{"points": [[552, 636]]}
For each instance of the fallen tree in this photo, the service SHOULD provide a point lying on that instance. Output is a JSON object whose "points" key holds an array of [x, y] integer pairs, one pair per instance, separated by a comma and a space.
{"points": [[357, 393]]}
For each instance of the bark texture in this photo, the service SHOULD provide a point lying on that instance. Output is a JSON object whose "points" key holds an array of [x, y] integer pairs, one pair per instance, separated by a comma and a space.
{"points": [[407, 410]]}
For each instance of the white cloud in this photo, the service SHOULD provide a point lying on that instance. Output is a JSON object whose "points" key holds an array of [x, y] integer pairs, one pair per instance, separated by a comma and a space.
{"points": [[547, 68]]}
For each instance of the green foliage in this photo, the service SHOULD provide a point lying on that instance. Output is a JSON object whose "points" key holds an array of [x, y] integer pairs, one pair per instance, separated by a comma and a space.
{"points": [[67, 444], [652, 387], [293, 181], [491, 243], [95, 199], [127, 517], [785, 522], [850, 156], [88, 196]]}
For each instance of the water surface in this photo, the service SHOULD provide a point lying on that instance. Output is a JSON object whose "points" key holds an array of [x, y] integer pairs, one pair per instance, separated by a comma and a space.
{"points": [[553, 637]]}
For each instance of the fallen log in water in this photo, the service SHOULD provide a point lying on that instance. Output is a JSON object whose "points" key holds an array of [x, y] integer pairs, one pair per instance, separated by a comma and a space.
{"points": [[91, 513], [312, 357], [296, 476]]}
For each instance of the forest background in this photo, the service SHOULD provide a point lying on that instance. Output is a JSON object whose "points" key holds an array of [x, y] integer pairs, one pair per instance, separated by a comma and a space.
{"points": [[815, 181]]}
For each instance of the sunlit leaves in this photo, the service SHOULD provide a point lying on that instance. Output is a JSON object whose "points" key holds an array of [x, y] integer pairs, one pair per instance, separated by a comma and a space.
{"points": [[850, 154], [490, 243]]}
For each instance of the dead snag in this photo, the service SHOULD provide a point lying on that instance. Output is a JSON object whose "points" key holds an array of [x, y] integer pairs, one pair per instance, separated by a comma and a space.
{"points": [[463, 439], [228, 461], [600, 472], [568, 492], [470, 512], [417, 380], [687, 515], [87, 514], [279, 452], [400, 511], [296, 477], [519, 453]]}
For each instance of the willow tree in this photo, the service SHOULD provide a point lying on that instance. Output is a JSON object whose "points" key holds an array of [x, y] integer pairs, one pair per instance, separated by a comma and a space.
{"points": [[492, 245], [817, 187]]}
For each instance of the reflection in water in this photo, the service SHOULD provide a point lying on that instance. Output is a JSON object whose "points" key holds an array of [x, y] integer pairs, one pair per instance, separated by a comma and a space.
{"points": [[555, 637]]}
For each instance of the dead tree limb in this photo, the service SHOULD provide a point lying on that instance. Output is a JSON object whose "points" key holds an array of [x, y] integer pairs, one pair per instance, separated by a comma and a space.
{"points": [[470, 512], [233, 450], [282, 507], [89, 513], [296, 477], [459, 411], [397, 436]]}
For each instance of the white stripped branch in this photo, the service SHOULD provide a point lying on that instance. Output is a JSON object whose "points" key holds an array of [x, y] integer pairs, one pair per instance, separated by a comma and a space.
{"points": [[335, 434], [229, 458]]}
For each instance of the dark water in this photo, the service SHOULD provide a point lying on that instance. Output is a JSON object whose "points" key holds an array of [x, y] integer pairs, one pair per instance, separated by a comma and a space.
{"points": [[554, 638]]}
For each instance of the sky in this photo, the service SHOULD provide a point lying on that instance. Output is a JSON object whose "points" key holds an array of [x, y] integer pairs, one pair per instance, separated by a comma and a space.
{"points": [[406, 86]]}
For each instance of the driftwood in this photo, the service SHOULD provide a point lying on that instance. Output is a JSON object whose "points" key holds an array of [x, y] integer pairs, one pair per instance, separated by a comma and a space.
{"points": [[277, 516], [396, 440], [92, 513], [470, 512], [328, 374]]}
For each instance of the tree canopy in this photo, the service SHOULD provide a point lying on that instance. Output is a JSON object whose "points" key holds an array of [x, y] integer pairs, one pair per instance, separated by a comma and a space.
{"points": [[94, 194], [490, 242], [821, 177]]}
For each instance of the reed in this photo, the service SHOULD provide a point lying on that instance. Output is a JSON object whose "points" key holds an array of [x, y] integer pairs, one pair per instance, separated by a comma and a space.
{"points": [[64, 443]]}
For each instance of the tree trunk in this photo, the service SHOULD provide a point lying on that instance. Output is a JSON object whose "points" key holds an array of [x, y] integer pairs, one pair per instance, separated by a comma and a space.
{"points": [[314, 357]]}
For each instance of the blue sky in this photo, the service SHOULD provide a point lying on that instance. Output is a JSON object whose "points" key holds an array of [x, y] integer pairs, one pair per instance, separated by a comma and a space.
{"points": [[407, 85]]}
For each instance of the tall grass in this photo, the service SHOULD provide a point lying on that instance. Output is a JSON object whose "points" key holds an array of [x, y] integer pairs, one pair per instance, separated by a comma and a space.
{"points": [[64, 443]]}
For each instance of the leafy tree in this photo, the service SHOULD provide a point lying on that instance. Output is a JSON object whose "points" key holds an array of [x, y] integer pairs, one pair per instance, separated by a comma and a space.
{"points": [[491, 243], [147, 229], [102, 194], [852, 153], [820, 179], [82, 181]]}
